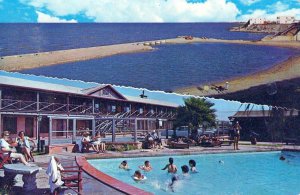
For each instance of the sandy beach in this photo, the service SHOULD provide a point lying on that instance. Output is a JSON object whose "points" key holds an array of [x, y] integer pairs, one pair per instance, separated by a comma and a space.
{"points": [[35, 60], [288, 69]]}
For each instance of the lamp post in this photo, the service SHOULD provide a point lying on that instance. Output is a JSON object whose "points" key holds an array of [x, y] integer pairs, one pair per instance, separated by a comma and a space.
{"points": [[38, 133]]}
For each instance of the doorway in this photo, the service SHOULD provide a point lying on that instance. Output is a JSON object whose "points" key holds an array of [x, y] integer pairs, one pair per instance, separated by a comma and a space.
{"points": [[29, 125]]}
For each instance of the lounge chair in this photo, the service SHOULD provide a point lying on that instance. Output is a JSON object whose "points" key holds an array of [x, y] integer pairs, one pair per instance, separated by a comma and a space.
{"points": [[177, 145], [5, 158]]}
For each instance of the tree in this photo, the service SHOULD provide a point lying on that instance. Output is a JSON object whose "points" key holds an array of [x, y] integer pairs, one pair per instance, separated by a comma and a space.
{"points": [[194, 113]]}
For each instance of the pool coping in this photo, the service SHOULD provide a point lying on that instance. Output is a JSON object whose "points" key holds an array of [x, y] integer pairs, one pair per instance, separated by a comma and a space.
{"points": [[129, 189], [108, 180]]}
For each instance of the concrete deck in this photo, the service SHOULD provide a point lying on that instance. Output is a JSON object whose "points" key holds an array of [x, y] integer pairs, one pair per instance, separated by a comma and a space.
{"points": [[92, 186]]}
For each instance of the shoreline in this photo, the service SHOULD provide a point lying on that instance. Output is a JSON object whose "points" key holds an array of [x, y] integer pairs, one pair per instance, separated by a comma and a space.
{"points": [[286, 70], [289, 69], [36, 60]]}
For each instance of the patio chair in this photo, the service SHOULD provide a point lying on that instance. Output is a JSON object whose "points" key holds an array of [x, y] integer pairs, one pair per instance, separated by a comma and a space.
{"points": [[68, 176], [72, 178], [5, 158]]}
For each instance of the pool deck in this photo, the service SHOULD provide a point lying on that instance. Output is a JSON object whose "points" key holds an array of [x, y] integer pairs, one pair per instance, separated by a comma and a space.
{"points": [[93, 186]]}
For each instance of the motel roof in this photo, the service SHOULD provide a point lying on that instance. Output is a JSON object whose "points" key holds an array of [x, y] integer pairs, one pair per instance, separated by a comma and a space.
{"points": [[261, 114], [60, 88]]}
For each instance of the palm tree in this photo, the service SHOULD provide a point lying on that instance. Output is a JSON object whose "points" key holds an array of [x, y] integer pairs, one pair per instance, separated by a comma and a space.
{"points": [[195, 113]]}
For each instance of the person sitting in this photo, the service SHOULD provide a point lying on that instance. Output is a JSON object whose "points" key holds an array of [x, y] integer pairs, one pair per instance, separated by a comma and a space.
{"points": [[171, 167], [192, 164], [138, 176], [6, 147], [24, 146], [97, 143], [124, 165], [146, 167], [87, 142]]}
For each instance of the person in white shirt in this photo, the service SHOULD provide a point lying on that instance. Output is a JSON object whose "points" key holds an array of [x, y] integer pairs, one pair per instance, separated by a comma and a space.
{"points": [[6, 147]]}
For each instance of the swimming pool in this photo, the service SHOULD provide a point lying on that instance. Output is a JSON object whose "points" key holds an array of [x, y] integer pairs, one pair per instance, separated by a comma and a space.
{"points": [[241, 173]]}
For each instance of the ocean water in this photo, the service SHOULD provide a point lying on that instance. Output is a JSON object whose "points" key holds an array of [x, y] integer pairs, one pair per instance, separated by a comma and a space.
{"points": [[172, 66], [31, 38], [240, 173]]}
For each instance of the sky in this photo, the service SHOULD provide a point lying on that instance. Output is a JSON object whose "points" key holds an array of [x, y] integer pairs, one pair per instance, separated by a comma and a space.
{"points": [[81, 11]]}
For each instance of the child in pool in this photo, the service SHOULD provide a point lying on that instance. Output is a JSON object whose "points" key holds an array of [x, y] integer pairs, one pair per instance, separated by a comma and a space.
{"points": [[146, 167], [124, 165], [192, 164], [171, 167], [137, 176], [175, 178]]}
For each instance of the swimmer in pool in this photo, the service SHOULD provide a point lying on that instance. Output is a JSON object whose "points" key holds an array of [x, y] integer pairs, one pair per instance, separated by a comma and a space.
{"points": [[124, 165], [282, 158], [221, 162], [146, 167], [171, 167], [137, 176], [175, 178], [192, 164]]}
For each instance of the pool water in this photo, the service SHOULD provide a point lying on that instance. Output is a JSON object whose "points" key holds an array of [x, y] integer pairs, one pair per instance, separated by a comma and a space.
{"points": [[240, 173]]}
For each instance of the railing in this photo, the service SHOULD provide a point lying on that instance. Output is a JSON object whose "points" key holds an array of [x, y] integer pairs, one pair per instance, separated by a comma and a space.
{"points": [[46, 107], [18, 105]]}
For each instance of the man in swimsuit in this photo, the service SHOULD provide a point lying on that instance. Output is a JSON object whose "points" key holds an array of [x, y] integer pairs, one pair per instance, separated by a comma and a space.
{"points": [[171, 167]]}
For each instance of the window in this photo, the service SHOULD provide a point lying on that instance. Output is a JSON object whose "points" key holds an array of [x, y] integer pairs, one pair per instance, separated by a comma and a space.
{"points": [[113, 108], [10, 124], [141, 110]]}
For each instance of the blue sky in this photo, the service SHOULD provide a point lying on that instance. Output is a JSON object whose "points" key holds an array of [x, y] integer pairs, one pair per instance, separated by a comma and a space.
{"points": [[144, 10]]}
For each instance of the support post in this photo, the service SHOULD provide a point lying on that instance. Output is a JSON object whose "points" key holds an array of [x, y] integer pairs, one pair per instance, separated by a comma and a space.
{"points": [[0, 110], [0, 124], [74, 131], [67, 131], [94, 127], [50, 132], [93, 102], [38, 127], [135, 130], [38, 101], [113, 139]]}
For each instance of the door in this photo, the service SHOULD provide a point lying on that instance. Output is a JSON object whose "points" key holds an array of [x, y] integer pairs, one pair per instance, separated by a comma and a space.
{"points": [[29, 123]]}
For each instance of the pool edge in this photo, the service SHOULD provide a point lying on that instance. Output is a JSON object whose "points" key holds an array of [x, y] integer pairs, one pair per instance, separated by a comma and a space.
{"points": [[108, 180]]}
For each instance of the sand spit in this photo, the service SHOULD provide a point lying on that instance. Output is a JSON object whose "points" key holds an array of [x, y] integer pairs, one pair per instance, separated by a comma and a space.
{"points": [[35, 60]]}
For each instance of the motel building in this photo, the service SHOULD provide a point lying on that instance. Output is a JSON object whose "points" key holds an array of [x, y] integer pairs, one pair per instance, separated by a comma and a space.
{"points": [[58, 114]]}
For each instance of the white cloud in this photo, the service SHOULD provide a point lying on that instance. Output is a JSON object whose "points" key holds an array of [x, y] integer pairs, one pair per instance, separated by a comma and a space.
{"points": [[278, 7], [141, 10], [249, 2], [44, 18]]}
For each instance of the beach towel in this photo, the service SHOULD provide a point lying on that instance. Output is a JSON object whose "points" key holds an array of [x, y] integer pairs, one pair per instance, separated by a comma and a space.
{"points": [[54, 174]]}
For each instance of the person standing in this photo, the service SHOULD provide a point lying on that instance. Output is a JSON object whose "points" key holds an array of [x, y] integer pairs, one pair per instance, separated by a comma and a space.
{"points": [[236, 135]]}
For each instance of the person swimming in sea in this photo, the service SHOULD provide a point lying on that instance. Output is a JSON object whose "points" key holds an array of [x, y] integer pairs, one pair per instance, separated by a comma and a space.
{"points": [[171, 167], [138, 176], [192, 164], [124, 165], [146, 167]]}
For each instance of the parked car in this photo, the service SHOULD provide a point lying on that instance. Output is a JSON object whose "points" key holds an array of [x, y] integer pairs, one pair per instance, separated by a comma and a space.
{"points": [[180, 132]]}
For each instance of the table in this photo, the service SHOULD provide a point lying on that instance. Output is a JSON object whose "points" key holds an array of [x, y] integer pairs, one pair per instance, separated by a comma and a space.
{"points": [[28, 172]]}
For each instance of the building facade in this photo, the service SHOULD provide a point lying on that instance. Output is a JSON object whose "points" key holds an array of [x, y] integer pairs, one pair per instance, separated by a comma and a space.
{"points": [[55, 111], [258, 21], [285, 19]]}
